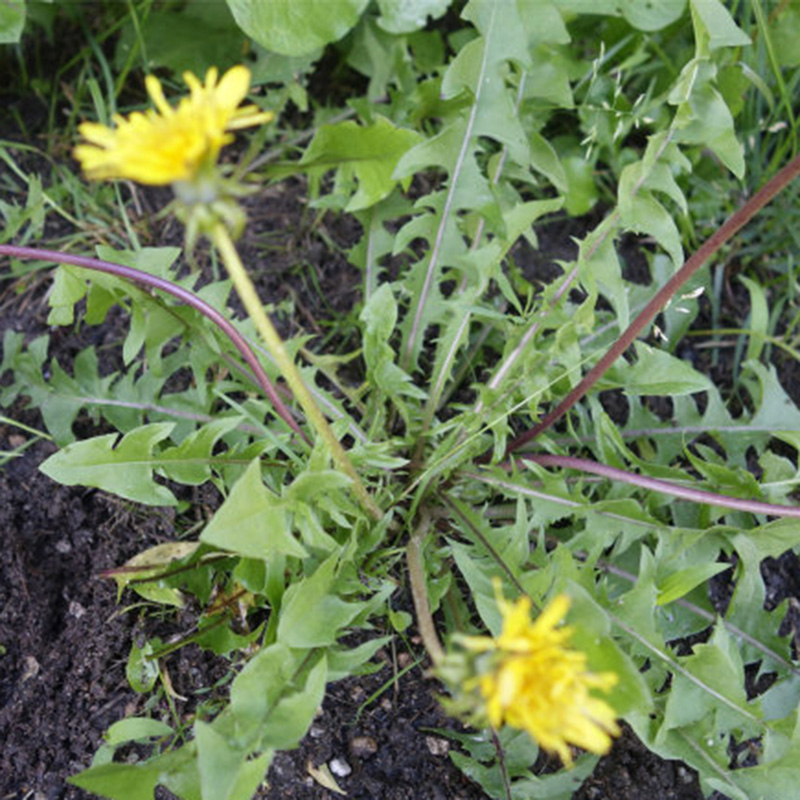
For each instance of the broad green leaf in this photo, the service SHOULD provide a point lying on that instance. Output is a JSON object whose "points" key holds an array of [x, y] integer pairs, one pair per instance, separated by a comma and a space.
{"points": [[543, 22], [775, 780], [774, 538], [154, 260], [312, 615], [592, 636], [344, 661], [269, 700], [141, 670], [135, 729], [12, 21], [649, 16], [288, 722], [195, 37], [406, 16], [610, 7], [544, 159], [225, 772], [259, 686], [252, 521], [601, 269], [310, 485], [120, 781], [582, 193], [722, 31], [365, 156], [292, 28], [776, 410], [123, 467], [642, 213]]}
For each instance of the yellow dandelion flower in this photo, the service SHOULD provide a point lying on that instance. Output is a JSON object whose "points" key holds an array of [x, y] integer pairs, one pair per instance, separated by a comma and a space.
{"points": [[536, 683], [169, 145]]}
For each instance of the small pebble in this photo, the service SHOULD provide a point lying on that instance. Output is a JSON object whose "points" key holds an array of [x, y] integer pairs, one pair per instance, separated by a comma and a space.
{"points": [[362, 746], [76, 609], [316, 731], [30, 668], [684, 775], [339, 767], [63, 546], [436, 746]]}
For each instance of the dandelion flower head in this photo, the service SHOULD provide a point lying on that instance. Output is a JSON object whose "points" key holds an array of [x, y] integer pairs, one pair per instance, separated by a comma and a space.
{"points": [[167, 145], [536, 683]]}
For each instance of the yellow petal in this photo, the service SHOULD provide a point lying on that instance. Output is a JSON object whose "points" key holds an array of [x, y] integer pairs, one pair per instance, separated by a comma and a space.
{"points": [[156, 93]]}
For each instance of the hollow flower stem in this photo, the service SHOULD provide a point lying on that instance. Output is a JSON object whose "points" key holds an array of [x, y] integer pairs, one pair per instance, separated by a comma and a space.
{"points": [[255, 309]]}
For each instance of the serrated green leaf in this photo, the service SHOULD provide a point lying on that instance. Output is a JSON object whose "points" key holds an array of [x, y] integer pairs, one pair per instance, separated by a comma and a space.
{"points": [[367, 155], [190, 461], [310, 485], [656, 372], [124, 468], [592, 636], [69, 287], [252, 521], [257, 688], [711, 681], [379, 316], [642, 213]]}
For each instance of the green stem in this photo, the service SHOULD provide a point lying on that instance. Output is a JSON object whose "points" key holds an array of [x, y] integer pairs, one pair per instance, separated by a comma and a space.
{"points": [[247, 292]]}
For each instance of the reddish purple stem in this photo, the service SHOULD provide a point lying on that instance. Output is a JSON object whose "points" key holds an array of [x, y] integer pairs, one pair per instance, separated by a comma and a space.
{"points": [[184, 295], [665, 487]]}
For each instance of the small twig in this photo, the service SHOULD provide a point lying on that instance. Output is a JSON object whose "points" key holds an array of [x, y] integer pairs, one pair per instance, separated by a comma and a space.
{"points": [[419, 591], [501, 761]]}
